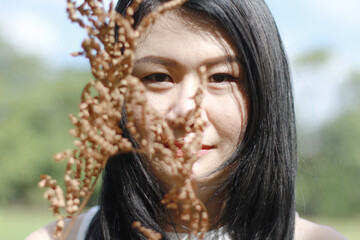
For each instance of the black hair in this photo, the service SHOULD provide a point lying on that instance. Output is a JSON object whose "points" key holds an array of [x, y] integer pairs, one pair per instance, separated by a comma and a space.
{"points": [[260, 201]]}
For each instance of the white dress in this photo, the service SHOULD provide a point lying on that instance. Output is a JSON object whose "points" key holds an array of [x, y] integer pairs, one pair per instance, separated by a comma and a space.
{"points": [[86, 222], [217, 234]]}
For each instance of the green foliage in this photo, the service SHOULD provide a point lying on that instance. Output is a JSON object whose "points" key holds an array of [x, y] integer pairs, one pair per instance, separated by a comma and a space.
{"points": [[329, 157], [313, 58], [330, 171], [18, 221], [34, 105], [350, 91]]}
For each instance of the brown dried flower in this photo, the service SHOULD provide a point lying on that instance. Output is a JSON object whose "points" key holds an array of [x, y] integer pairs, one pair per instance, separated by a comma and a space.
{"points": [[96, 129]]}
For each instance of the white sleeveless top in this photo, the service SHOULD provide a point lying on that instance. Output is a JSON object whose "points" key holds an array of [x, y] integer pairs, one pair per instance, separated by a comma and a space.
{"points": [[86, 222], [217, 234]]}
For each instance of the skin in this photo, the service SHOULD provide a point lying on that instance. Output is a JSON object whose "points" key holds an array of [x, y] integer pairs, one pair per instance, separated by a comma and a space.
{"points": [[168, 58], [173, 50]]}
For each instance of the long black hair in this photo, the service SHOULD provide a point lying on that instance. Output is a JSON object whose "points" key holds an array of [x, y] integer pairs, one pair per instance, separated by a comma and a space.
{"points": [[260, 190]]}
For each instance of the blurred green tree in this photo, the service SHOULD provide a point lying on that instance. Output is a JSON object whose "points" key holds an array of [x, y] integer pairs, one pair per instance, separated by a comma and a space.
{"points": [[34, 104], [329, 173], [329, 157]]}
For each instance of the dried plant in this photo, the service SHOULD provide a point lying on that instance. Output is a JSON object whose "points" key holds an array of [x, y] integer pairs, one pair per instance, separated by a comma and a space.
{"points": [[96, 127]]}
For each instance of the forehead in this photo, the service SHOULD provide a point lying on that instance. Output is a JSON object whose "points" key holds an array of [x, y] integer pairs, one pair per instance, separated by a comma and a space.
{"points": [[183, 33]]}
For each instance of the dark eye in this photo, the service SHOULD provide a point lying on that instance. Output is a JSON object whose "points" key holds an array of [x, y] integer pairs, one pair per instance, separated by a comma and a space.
{"points": [[157, 77], [221, 77]]}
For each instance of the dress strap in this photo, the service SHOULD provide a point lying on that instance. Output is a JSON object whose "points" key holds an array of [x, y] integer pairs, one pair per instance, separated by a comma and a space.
{"points": [[86, 222]]}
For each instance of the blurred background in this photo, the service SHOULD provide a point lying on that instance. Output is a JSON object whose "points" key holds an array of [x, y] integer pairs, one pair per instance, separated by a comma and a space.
{"points": [[40, 85]]}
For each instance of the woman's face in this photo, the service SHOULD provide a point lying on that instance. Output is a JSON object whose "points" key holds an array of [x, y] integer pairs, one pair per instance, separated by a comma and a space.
{"points": [[168, 58]]}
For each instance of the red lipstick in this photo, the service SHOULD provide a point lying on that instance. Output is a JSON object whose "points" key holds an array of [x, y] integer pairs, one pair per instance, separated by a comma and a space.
{"points": [[205, 149]]}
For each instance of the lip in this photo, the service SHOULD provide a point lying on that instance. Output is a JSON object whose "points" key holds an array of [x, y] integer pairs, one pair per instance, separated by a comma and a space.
{"points": [[179, 143], [203, 152], [205, 149]]}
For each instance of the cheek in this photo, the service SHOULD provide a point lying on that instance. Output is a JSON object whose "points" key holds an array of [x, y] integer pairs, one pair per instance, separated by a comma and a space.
{"points": [[161, 103], [142, 120], [229, 116], [155, 157], [150, 123]]}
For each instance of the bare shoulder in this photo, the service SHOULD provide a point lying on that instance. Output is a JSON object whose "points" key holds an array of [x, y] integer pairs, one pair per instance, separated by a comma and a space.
{"points": [[306, 230], [47, 232]]}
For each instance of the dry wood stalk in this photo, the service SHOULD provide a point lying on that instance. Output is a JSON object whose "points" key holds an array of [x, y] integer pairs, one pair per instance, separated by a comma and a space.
{"points": [[96, 126]]}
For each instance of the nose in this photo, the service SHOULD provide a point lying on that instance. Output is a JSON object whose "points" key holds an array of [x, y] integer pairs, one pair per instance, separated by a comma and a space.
{"points": [[184, 100]]}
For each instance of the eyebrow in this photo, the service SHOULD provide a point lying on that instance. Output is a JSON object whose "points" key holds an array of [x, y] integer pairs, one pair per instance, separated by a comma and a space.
{"points": [[225, 59], [157, 60], [171, 62]]}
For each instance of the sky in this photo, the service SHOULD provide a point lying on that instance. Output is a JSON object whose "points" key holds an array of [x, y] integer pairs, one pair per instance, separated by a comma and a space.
{"points": [[41, 28]]}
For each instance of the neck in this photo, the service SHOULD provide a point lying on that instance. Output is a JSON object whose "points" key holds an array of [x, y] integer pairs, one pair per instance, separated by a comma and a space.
{"points": [[209, 194]]}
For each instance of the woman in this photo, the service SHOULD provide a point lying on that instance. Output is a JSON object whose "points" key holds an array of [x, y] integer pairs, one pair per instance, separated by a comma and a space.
{"points": [[245, 174]]}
